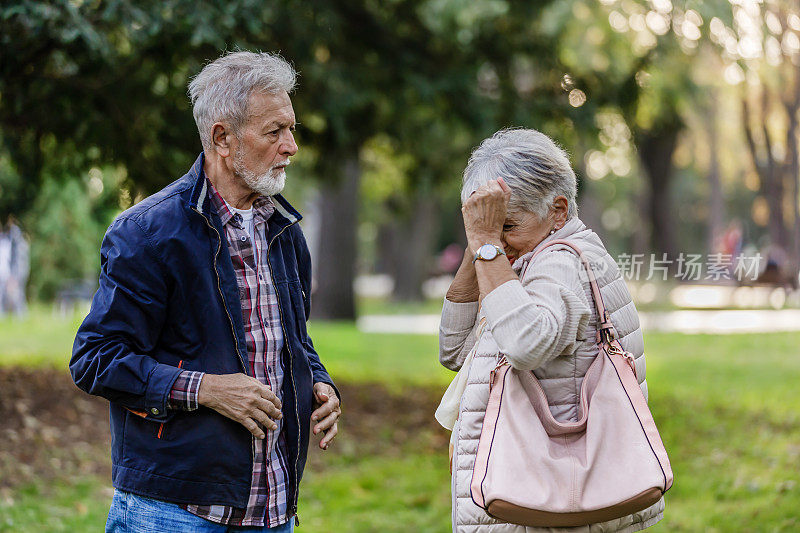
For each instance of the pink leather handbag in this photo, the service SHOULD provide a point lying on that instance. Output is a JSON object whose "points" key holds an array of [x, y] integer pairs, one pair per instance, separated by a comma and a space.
{"points": [[535, 471]]}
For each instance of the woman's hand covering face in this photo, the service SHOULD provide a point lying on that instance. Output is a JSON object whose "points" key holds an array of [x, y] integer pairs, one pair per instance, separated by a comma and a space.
{"points": [[485, 212]]}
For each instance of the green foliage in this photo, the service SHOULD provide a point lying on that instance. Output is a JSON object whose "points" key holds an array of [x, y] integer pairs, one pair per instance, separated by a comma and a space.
{"points": [[410, 86], [67, 236], [68, 221]]}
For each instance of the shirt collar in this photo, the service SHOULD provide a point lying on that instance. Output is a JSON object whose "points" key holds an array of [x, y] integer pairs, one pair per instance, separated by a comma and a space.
{"points": [[262, 207]]}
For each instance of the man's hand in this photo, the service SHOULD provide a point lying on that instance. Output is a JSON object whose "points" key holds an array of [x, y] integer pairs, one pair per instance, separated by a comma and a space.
{"points": [[326, 414], [243, 399]]}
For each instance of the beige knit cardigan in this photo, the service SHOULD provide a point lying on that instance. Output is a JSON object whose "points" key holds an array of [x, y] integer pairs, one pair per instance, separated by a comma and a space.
{"points": [[544, 322]]}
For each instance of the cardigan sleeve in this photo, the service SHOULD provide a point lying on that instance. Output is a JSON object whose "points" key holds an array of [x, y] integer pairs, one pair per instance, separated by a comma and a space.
{"points": [[455, 332], [538, 318]]}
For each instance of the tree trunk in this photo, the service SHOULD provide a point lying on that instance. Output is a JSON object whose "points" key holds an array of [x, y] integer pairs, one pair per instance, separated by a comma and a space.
{"points": [[774, 183], [770, 187], [334, 298], [415, 240], [386, 248], [792, 104], [655, 152], [716, 214]]}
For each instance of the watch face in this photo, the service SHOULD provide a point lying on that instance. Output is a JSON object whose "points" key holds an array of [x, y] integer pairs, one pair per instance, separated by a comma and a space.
{"points": [[488, 252]]}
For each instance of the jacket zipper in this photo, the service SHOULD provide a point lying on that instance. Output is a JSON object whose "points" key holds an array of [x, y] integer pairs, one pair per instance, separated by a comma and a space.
{"points": [[230, 321], [291, 376], [283, 330], [219, 288]]}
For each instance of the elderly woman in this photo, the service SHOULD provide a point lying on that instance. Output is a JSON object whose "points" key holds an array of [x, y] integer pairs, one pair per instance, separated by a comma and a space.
{"points": [[518, 194]]}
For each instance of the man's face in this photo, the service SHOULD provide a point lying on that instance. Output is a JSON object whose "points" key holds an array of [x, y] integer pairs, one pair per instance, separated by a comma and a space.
{"points": [[265, 143]]}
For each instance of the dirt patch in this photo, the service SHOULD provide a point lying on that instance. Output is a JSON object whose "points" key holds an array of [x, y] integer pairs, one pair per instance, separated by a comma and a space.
{"points": [[49, 429]]}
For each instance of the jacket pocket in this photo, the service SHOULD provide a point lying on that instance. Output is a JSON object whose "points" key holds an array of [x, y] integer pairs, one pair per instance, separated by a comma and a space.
{"points": [[162, 425]]}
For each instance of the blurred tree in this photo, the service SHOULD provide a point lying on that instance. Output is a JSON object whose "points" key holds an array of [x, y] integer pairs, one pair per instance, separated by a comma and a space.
{"points": [[90, 83], [97, 82], [477, 72], [761, 46], [635, 57], [340, 48], [401, 69], [69, 217]]}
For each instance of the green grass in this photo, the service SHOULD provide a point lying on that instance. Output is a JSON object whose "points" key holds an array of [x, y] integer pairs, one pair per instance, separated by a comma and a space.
{"points": [[398, 494], [729, 414], [726, 406], [394, 360], [43, 337], [385, 306], [67, 505]]}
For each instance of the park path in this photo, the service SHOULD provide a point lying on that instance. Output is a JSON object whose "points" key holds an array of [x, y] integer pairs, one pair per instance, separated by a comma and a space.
{"points": [[684, 321]]}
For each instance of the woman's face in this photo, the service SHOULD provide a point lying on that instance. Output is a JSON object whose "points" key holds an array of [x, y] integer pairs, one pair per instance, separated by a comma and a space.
{"points": [[522, 232]]}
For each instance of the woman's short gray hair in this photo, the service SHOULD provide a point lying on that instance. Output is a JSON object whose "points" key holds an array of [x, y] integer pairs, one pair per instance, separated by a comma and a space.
{"points": [[221, 91], [535, 168]]}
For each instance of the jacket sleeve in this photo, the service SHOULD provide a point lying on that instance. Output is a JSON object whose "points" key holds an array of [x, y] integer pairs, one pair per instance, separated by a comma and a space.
{"points": [[304, 266], [110, 356], [537, 319], [455, 332]]}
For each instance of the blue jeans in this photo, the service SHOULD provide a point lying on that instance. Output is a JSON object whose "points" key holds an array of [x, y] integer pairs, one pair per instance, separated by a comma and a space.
{"points": [[130, 513]]}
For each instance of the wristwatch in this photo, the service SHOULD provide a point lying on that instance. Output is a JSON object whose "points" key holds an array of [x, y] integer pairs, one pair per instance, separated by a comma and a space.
{"points": [[487, 252]]}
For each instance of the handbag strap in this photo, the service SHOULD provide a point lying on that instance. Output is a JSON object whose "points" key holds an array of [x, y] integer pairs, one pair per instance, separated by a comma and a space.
{"points": [[605, 327]]}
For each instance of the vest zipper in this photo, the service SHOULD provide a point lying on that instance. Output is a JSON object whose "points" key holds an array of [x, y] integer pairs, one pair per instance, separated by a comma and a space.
{"points": [[291, 377]]}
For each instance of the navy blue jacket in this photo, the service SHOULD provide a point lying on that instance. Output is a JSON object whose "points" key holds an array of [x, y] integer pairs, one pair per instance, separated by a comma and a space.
{"points": [[168, 300]]}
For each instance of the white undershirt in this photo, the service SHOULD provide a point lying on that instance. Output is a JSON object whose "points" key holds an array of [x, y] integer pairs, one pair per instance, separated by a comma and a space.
{"points": [[247, 220]]}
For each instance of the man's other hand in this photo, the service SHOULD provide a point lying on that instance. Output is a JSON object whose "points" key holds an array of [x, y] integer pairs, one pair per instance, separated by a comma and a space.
{"points": [[243, 399], [326, 414]]}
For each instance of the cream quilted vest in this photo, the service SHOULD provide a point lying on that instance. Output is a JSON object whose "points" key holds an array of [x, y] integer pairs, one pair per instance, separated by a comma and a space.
{"points": [[545, 322]]}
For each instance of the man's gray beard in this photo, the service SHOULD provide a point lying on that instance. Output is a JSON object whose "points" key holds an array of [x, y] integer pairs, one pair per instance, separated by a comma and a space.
{"points": [[269, 183]]}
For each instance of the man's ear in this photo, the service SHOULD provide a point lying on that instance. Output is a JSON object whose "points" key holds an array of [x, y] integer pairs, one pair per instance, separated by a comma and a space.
{"points": [[221, 138]]}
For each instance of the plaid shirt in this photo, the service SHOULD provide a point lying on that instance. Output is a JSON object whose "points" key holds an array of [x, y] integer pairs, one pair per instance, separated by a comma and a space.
{"points": [[267, 505]]}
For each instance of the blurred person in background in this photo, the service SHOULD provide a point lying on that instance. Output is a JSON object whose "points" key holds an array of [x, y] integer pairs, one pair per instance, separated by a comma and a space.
{"points": [[197, 334], [5, 268], [450, 258], [518, 194], [18, 268]]}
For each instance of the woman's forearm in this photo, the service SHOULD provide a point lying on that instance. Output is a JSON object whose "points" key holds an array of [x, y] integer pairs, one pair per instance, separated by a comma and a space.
{"points": [[464, 287], [492, 274]]}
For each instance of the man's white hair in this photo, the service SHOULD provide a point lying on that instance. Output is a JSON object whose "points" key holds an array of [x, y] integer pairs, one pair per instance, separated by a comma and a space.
{"points": [[220, 92], [535, 168]]}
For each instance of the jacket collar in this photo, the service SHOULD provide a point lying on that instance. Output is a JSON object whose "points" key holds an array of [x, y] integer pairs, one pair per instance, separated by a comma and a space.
{"points": [[200, 199]]}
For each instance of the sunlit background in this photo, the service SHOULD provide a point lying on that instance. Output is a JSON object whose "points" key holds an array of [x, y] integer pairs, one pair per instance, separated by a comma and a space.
{"points": [[681, 121]]}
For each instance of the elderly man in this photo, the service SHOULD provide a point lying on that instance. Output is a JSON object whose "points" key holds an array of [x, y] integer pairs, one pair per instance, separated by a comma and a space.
{"points": [[197, 334]]}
